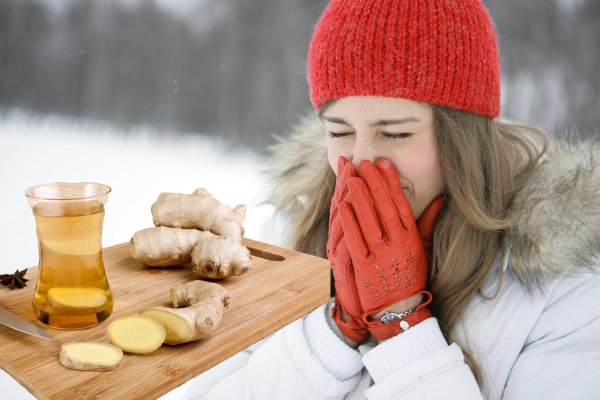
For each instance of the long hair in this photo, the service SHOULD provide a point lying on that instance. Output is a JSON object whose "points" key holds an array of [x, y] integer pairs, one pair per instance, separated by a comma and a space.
{"points": [[484, 163]]}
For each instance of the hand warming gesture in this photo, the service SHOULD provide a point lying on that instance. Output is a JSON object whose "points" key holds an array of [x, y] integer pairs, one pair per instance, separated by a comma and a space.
{"points": [[388, 258]]}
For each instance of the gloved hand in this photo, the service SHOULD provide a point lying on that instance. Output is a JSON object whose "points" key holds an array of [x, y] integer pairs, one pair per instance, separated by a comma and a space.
{"points": [[385, 246], [427, 221], [346, 297]]}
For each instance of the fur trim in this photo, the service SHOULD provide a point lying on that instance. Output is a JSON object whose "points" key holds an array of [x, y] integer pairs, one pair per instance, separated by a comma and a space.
{"points": [[300, 178], [558, 226]]}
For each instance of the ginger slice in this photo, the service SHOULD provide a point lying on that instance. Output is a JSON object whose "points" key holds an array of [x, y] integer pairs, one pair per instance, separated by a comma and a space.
{"points": [[178, 328], [90, 356], [203, 305], [83, 299], [136, 333]]}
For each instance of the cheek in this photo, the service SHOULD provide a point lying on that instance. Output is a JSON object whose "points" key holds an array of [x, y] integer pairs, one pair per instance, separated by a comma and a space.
{"points": [[423, 177], [431, 184]]}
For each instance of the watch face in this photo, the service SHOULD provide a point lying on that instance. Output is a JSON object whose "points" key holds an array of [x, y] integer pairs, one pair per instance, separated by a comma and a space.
{"points": [[387, 318]]}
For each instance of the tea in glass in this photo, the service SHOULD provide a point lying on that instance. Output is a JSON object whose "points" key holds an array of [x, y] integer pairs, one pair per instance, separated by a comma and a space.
{"points": [[72, 290]]}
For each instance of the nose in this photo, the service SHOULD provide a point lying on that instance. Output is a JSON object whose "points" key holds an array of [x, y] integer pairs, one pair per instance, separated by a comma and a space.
{"points": [[363, 150]]}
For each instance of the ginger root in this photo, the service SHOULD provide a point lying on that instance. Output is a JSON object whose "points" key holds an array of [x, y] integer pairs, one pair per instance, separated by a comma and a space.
{"points": [[136, 333], [199, 210], [218, 258], [212, 256], [90, 356], [214, 248], [203, 304], [165, 247]]}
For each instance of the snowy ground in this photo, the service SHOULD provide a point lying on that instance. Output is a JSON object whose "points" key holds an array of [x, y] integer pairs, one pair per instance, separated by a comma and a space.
{"points": [[137, 164]]}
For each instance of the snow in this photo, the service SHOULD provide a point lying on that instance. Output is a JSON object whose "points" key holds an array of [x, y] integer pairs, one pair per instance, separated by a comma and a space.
{"points": [[136, 163]]}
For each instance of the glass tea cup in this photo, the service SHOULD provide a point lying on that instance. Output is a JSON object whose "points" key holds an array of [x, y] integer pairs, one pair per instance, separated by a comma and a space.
{"points": [[72, 290]]}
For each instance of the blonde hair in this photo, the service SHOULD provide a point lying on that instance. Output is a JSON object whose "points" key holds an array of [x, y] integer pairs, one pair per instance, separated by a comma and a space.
{"points": [[484, 163]]}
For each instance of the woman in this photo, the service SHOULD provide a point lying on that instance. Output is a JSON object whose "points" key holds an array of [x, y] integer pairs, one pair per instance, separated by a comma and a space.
{"points": [[464, 249]]}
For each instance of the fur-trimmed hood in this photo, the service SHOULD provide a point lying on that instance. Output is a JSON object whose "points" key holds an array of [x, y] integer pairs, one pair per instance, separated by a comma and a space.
{"points": [[558, 230]]}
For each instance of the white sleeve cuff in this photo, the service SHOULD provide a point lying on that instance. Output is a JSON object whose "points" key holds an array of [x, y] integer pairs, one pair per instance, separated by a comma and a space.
{"points": [[393, 354], [337, 357]]}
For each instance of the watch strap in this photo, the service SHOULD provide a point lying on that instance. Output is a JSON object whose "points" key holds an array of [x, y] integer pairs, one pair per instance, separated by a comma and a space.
{"points": [[389, 316], [381, 331]]}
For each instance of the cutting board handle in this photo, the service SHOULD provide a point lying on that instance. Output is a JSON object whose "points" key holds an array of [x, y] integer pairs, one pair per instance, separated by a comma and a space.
{"points": [[265, 254]]}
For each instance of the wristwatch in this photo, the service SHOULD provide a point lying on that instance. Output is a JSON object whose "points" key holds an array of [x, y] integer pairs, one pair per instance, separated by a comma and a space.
{"points": [[391, 323], [389, 316]]}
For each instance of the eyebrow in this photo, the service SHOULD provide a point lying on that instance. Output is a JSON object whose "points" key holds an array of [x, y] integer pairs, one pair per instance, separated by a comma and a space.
{"points": [[381, 122]]}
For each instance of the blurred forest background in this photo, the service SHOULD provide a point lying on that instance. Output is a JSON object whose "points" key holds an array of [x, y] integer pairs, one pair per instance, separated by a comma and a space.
{"points": [[236, 68]]}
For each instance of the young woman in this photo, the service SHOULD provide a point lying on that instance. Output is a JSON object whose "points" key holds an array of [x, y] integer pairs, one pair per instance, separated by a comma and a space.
{"points": [[464, 249]]}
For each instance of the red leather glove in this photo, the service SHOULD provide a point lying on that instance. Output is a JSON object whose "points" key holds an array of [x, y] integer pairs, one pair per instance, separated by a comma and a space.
{"points": [[389, 258], [427, 221], [346, 297]]}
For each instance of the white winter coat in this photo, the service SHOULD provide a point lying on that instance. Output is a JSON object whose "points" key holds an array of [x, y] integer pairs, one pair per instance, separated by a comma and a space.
{"points": [[538, 338]]}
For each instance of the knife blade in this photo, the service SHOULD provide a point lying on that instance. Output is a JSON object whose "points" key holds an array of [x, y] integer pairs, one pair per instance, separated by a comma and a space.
{"points": [[13, 321]]}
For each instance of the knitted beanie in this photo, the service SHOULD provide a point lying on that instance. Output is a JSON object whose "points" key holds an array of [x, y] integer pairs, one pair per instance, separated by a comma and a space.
{"points": [[440, 52]]}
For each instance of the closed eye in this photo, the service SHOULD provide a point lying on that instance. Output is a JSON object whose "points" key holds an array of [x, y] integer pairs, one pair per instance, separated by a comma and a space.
{"points": [[396, 135], [338, 134]]}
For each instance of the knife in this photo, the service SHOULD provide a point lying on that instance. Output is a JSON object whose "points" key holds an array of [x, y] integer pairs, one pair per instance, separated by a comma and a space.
{"points": [[15, 322]]}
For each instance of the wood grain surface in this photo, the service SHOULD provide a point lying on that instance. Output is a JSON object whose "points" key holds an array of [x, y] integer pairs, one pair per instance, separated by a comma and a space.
{"points": [[283, 286]]}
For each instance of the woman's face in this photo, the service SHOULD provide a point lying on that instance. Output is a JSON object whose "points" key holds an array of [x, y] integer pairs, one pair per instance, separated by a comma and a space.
{"points": [[369, 127]]}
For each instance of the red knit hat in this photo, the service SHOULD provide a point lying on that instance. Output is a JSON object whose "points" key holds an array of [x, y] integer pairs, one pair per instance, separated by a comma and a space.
{"points": [[440, 52]]}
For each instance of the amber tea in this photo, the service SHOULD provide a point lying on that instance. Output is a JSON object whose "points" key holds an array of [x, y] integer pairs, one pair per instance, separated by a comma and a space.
{"points": [[72, 290]]}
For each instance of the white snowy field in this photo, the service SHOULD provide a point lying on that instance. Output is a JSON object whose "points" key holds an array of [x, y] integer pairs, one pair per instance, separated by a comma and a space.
{"points": [[137, 165]]}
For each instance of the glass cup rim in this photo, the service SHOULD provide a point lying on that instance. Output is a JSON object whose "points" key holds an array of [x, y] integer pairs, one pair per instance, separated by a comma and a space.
{"points": [[29, 192]]}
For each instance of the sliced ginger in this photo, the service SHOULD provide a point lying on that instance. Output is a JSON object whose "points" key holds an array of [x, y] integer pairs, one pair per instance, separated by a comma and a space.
{"points": [[90, 356], [177, 328], [203, 304], [136, 333], [81, 299]]}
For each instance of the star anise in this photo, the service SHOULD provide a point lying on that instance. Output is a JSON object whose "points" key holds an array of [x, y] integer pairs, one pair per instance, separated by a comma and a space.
{"points": [[14, 281]]}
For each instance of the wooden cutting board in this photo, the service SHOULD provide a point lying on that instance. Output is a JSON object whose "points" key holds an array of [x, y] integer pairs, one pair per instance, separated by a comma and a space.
{"points": [[283, 286]]}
